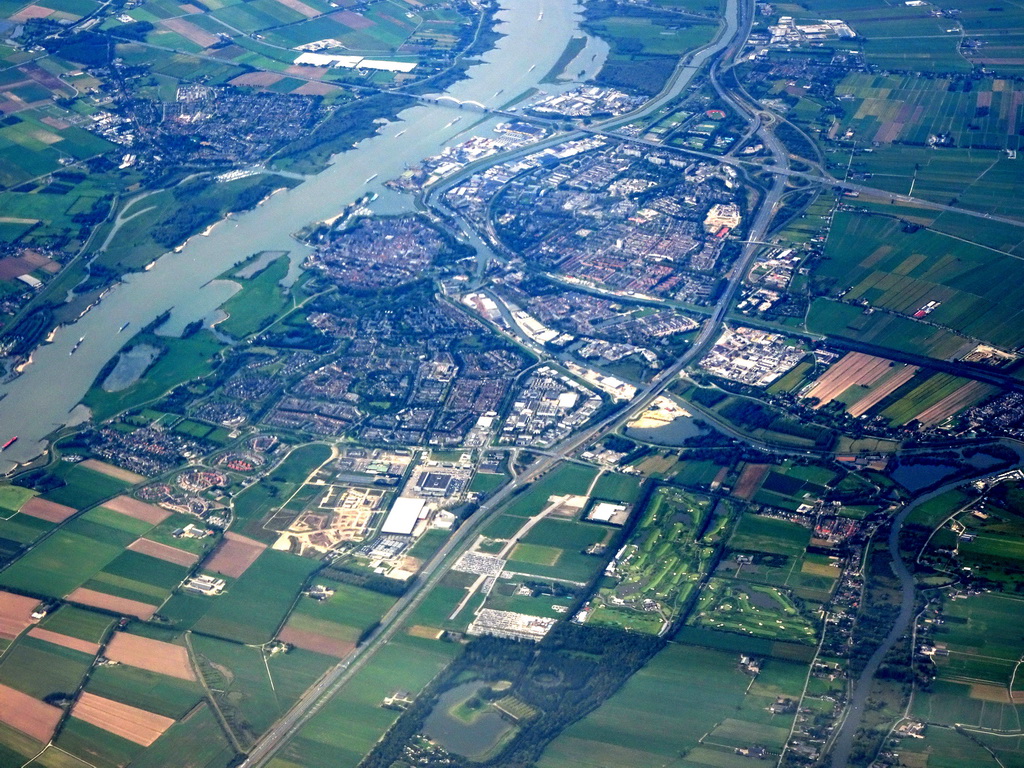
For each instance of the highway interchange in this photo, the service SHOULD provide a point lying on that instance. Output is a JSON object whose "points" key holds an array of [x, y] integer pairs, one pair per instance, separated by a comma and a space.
{"points": [[728, 43]]}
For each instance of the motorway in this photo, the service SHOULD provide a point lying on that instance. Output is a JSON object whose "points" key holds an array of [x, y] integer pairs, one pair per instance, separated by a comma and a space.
{"points": [[336, 678]]}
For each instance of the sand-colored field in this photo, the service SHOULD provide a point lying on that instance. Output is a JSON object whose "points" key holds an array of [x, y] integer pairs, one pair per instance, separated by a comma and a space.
{"points": [[883, 390], [967, 395], [749, 481], [420, 630], [351, 19], [854, 369], [820, 569], [65, 641], [258, 79], [311, 641], [28, 715], [153, 655], [163, 552], [296, 5], [234, 556], [121, 605], [312, 73], [990, 692], [190, 31], [47, 510], [130, 723], [15, 614], [111, 471], [31, 12], [140, 510], [315, 89]]}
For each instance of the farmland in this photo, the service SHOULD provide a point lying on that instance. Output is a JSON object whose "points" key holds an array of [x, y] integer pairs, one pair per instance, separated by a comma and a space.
{"points": [[654, 719], [272, 582], [875, 259]]}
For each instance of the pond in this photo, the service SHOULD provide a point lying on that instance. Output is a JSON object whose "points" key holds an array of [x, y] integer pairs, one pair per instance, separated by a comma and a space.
{"points": [[674, 433], [131, 364], [459, 729]]}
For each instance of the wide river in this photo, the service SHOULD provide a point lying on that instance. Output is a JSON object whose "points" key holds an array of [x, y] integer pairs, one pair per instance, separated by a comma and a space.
{"points": [[41, 399]]}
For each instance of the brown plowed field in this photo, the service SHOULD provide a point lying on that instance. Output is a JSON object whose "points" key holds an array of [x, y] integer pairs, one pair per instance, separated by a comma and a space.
{"points": [[311, 641], [130, 723], [111, 471], [121, 605], [855, 368], [880, 392], [64, 640], [967, 395], [258, 79], [749, 481], [163, 552], [28, 715], [140, 510], [296, 5], [46, 510], [153, 655], [234, 556], [315, 89], [191, 32], [15, 614]]}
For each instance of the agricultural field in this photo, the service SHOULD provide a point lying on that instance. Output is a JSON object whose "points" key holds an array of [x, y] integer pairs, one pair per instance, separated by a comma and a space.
{"points": [[976, 679], [253, 690], [653, 577], [556, 549], [272, 582], [334, 626], [904, 108], [876, 260], [656, 720], [92, 560], [350, 724], [644, 49]]}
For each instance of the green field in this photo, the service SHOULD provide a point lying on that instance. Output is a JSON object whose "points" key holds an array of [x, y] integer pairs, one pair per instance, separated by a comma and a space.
{"points": [[343, 616], [878, 261], [167, 696], [350, 724], [758, 533], [90, 551], [655, 718], [260, 301], [562, 542], [272, 582], [253, 692], [40, 668]]}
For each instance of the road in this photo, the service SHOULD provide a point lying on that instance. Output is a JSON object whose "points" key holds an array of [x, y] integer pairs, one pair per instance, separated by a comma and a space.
{"points": [[435, 568]]}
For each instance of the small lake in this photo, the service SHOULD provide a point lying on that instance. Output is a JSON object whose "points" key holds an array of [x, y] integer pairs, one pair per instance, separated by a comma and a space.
{"points": [[130, 366], [472, 740], [917, 475], [675, 433]]}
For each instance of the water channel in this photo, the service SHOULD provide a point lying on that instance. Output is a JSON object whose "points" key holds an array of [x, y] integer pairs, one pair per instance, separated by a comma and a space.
{"points": [[41, 399]]}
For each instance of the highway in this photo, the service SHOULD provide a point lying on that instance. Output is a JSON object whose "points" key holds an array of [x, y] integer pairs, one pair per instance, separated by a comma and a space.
{"points": [[336, 678]]}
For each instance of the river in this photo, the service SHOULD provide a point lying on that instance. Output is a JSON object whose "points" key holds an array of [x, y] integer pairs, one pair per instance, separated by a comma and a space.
{"points": [[536, 33]]}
